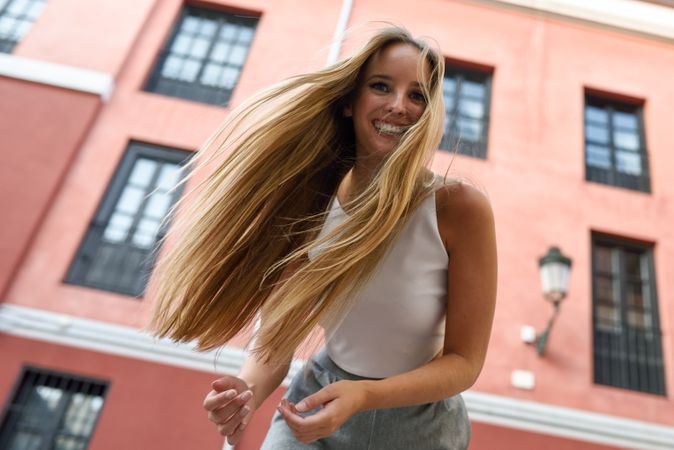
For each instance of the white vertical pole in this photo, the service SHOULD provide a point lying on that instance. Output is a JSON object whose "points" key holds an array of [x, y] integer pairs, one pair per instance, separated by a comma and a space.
{"points": [[339, 31], [335, 47]]}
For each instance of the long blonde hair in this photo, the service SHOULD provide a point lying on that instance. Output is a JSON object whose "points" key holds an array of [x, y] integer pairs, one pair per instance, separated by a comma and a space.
{"points": [[261, 209]]}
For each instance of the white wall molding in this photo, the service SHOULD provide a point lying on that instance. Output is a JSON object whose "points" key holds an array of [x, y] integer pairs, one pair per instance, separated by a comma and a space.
{"points": [[59, 75], [119, 340], [568, 423], [128, 342], [647, 19]]}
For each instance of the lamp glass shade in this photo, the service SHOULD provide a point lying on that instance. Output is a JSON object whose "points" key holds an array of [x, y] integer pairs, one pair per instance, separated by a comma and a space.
{"points": [[555, 279]]}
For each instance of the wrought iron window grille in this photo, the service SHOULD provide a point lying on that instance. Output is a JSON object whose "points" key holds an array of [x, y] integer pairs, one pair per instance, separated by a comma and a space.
{"points": [[615, 145], [16, 20], [119, 249], [51, 410], [203, 59], [627, 336], [467, 96]]}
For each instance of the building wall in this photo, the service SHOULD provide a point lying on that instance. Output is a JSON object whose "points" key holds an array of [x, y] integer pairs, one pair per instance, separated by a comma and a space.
{"points": [[534, 176], [132, 114], [147, 405], [491, 437], [42, 128], [542, 65]]}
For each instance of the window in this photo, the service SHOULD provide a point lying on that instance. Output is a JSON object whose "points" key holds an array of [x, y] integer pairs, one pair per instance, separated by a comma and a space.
{"points": [[615, 149], [466, 94], [204, 57], [117, 253], [51, 410], [627, 349], [16, 19]]}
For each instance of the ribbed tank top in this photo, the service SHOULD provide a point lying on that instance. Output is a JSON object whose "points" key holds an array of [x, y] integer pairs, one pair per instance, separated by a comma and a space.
{"points": [[398, 320]]}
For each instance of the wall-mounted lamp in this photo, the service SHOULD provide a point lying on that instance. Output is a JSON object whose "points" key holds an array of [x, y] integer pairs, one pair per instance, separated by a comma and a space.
{"points": [[555, 269]]}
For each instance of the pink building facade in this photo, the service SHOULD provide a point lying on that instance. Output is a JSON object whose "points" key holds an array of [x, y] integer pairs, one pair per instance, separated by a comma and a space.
{"points": [[560, 111]]}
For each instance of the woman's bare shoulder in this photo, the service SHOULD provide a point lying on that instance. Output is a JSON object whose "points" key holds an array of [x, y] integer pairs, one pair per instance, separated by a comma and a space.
{"points": [[461, 208]]}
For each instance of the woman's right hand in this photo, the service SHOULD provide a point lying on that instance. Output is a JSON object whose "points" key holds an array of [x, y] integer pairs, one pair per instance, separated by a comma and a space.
{"points": [[230, 406]]}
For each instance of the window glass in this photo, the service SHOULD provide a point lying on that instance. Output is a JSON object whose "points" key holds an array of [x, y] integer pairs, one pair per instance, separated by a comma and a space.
{"points": [[627, 350], [51, 411], [596, 134], [16, 19], [614, 152], [628, 162], [596, 115], [116, 254], [598, 156], [204, 58], [466, 104]]}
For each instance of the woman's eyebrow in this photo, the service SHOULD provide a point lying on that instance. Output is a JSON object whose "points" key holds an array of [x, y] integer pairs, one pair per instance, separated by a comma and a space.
{"points": [[388, 77], [376, 75]]}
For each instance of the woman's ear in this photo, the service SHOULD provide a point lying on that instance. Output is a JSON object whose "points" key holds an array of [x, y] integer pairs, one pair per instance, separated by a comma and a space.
{"points": [[347, 112]]}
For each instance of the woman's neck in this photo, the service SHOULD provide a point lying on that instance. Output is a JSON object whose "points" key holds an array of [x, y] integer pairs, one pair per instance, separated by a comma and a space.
{"points": [[356, 181]]}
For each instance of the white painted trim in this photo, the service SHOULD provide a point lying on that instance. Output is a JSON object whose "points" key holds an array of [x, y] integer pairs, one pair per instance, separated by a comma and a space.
{"points": [[567, 422], [491, 409], [338, 37], [119, 340], [59, 75], [644, 18]]}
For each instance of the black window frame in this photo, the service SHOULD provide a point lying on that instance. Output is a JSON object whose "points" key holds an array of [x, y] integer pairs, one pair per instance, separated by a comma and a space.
{"points": [[451, 139], [611, 176], [194, 90], [70, 384], [626, 356], [78, 271], [8, 44]]}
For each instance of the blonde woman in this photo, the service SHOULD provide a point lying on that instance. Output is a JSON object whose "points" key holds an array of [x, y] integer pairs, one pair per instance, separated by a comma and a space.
{"points": [[324, 213]]}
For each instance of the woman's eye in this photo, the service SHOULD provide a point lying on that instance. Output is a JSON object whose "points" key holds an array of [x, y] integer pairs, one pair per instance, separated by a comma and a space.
{"points": [[418, 97], [379, 86]]}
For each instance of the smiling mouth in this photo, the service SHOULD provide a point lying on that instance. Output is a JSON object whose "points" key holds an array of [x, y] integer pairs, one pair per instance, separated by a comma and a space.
{"points": [[389, 129]]}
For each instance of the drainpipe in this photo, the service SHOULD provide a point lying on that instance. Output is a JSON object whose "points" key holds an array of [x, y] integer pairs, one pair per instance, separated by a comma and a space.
{"points": [[335, 47], [337, 39]]}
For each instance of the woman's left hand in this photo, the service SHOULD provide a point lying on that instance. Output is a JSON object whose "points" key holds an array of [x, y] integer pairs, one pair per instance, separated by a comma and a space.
{"points": [[339, 401]]}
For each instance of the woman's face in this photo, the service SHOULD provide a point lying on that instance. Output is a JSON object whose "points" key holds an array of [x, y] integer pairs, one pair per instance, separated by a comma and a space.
{"points": [[388, 101]]}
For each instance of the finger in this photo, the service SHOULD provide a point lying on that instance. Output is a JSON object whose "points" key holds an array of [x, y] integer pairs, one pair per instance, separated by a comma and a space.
{"points": [[236, 436], [292, 408], [313, 423], [231, 424], [314, 400], [292, 420], [224, 383], [309, 428], [289, 405], [233, 406], [215, 400], [317, 430], [316, 426], [301, 426]]}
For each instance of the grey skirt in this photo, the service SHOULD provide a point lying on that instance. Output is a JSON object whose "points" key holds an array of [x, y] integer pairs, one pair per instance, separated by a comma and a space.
{"points": [[441, 425]]}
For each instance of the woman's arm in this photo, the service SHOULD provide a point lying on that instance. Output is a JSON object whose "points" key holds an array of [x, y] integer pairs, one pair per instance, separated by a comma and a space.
{"points": [[468, 225], [263, 379], [468, 230], [234, 399]]}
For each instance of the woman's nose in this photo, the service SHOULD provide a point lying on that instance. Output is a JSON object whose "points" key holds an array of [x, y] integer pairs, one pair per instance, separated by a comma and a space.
{"points": [[396, 104]]}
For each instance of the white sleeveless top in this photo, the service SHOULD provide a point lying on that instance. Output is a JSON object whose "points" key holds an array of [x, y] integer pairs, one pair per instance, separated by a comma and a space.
{"points": [[398, 321]]}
